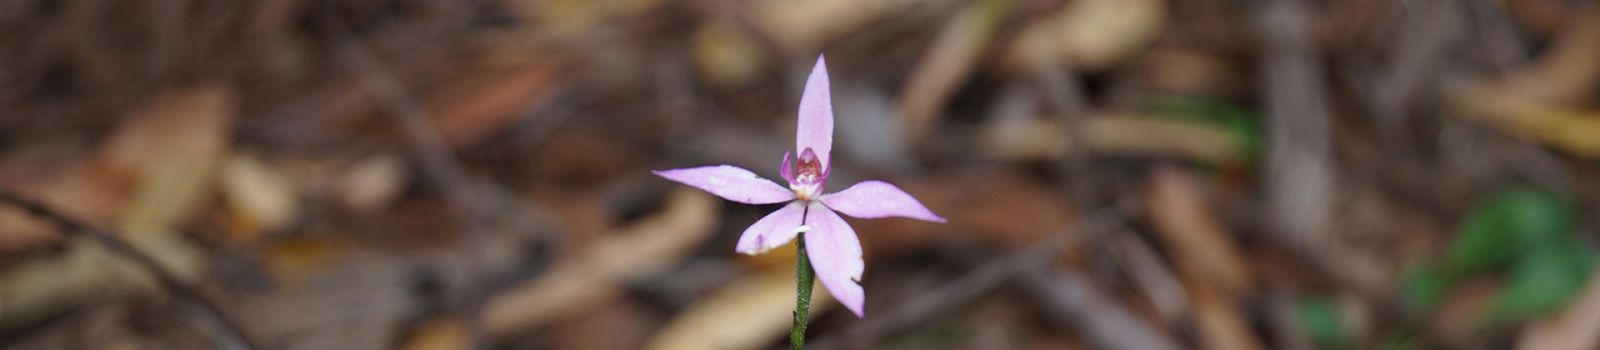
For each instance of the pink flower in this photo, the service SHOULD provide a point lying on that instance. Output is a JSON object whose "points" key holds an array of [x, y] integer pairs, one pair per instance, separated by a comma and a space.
{"points": [[831, 244]]}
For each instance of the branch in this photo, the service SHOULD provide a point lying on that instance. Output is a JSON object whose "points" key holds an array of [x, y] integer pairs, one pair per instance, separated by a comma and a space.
{"points": [[169, 281]]}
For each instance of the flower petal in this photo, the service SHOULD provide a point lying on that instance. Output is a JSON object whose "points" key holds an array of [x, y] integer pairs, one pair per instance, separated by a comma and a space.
{"points": [[835, 254], [771, 231], [878, 199], [786, 171], [815, 127], [731, 183]]}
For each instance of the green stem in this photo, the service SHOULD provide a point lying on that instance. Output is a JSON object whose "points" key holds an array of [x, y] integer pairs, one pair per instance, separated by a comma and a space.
{"points": [[802, 300]]}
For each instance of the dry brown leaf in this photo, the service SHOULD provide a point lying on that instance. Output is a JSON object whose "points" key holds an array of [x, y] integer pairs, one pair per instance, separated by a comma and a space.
{"points": [[88, 191], [574, 18], [258, 197], [1088, 34], [592, 277], [297, 258], [947, 64], [487, 97], [1539, 16], [1201, 246], [1162, 137], [995, 207], [169, 148], [1221, 325], [441, 334], [617, 325], [1183, 70], [748, 314], [1576, 327], [724, 56], [1563, 128], [1567, 73], [1047, 138], [373, 183], [804, 26]]}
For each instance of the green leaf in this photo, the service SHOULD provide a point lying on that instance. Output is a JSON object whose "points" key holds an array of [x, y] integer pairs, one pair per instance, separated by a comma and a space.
{"points": [[1243, 124], [1320, 320], [1542, 282], [1507, 226], [1425, 287], [1400, 341]]}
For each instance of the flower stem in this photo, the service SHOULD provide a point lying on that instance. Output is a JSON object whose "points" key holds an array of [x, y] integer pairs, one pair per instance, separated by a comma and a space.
{"points": [[802, 300]]}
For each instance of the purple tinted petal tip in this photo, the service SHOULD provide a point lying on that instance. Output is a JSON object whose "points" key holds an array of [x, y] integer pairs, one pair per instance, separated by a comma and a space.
{"points": [[814, 128], [785, 170], [878, 199], [835, 253]]}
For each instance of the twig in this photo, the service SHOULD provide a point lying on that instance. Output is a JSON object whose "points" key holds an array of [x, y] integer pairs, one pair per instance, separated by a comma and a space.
{"points": [[75, 228], [973, 284]]}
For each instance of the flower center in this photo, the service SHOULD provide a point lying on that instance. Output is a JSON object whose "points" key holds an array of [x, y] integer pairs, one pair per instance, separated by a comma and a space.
{"points": [[808, 176]]}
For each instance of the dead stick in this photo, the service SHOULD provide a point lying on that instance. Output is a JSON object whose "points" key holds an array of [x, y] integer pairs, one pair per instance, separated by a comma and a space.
{"points": [[75, 228]]}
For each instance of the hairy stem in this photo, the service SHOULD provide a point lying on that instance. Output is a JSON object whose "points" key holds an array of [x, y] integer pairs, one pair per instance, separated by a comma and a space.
{"points": [[803, 277]]}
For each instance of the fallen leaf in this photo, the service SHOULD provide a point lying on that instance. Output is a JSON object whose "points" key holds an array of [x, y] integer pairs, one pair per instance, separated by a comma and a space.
{"points": [[1221, 325], [169, 149], [593, 277], [1568, 129], [616, 325], [1091, 35], [441, 334], [88, 191], [748, 314], [489, 96], [260, 198], [1042, 138], [1566, 74], [996, 207], [724, 56], [373, 183], [1201, 246], [947, 63], [804, 26], [1188, 71], [574, 18]]}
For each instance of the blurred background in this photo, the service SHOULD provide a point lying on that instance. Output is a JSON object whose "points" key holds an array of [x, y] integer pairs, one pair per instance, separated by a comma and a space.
{"points": [[1118, 174]]}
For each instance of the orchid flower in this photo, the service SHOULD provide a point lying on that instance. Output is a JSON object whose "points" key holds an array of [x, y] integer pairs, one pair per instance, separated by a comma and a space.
{"points": [[834, 251]]}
